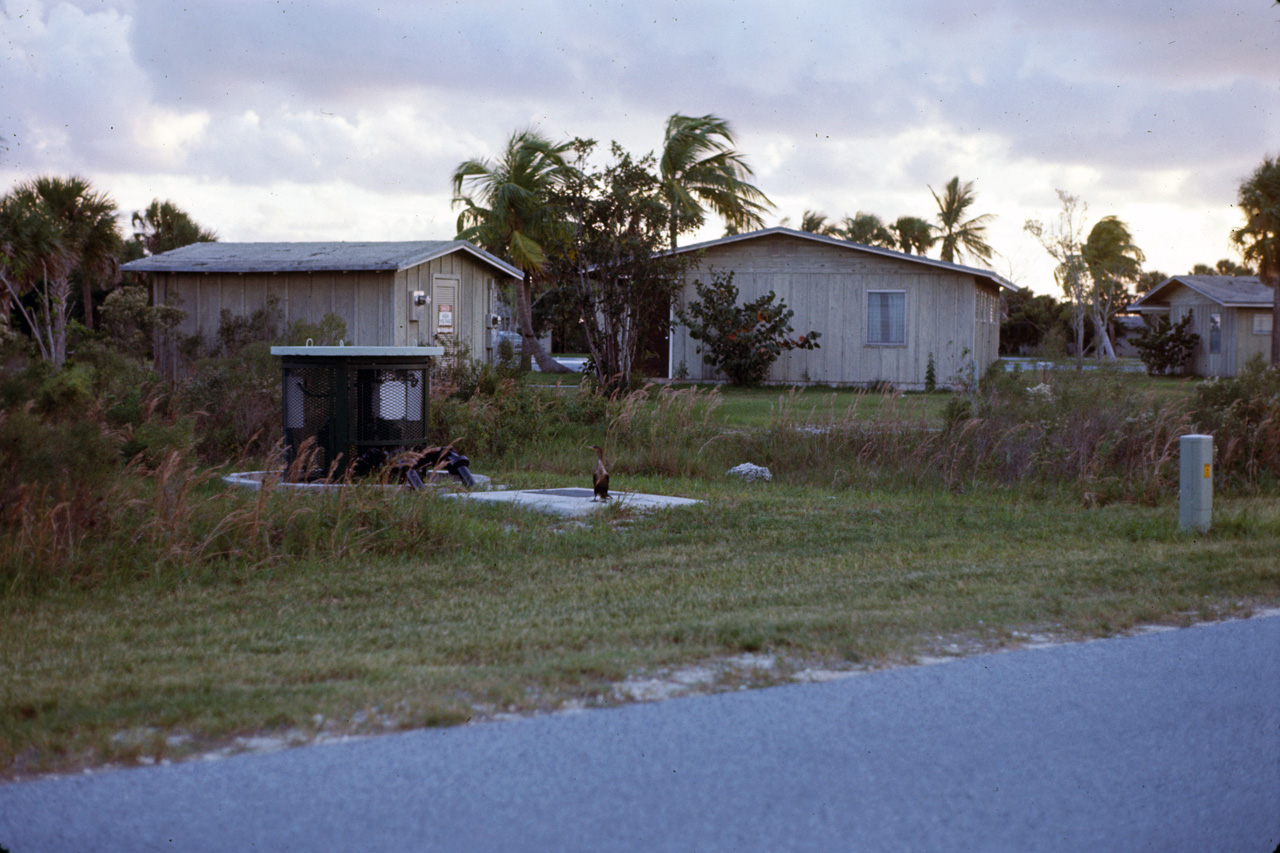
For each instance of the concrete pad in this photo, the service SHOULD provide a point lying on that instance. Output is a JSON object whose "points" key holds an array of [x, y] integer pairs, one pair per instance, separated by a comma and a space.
{"points": [[572, 502], [255, 479]]}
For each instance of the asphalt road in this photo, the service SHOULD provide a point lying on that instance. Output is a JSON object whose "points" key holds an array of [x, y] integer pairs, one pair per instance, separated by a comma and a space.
{"points": [[1165, 741]]}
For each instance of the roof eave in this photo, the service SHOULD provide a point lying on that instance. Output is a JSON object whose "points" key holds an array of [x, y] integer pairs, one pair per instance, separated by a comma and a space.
{"points": [[993, 277]]}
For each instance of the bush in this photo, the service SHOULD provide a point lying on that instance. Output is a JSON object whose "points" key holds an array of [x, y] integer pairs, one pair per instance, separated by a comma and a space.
{"points": [[234, 396], [742, 341], [1164, 347], [1243, 415]]}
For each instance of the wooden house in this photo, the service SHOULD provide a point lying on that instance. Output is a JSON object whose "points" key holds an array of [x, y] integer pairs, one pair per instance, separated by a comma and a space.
{"points": [[389, 293], [1231, 314], [882, 314]]}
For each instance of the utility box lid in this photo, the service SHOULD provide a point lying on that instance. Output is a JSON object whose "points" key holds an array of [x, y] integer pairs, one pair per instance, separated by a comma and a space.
{"points": [[360, 352]]}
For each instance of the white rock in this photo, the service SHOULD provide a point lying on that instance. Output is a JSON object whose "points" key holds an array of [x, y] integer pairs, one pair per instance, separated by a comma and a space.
{"points": [[750, 472]]}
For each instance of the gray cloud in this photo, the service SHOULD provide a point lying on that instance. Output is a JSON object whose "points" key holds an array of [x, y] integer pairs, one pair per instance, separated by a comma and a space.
{"points": [[851, 106]]}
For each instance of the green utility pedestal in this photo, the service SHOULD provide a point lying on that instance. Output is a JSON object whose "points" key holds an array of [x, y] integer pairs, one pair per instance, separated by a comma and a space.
{"points": [[1195, 499]]}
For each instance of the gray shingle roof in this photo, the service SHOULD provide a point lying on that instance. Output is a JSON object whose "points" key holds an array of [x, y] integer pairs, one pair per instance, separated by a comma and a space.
{"points": [[1243, 291], [990, 276], [310, 257]]}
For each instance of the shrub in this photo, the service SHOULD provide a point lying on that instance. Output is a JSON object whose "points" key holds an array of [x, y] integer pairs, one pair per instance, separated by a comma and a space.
{"points": [[234, 396], [129, 320], [1164, 347], [742, 341], [1243, 415]]}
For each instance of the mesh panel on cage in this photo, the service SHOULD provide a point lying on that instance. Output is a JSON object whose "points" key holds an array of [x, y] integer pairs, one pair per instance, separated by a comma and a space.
{"points": [[389, 405], [348, 414], [308, 414]]}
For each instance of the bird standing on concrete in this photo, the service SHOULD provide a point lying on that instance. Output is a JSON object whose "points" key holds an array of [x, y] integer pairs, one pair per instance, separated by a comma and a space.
{"points": [[600, 476]]}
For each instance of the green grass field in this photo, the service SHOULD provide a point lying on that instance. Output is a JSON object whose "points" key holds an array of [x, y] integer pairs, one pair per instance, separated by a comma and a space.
{"points": [[184, 617], [505, 610]]}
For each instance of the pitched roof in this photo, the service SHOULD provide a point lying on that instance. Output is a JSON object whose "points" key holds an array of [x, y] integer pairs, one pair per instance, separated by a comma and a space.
{"points": [[988, 275], [1229, 291], [310, 257]]}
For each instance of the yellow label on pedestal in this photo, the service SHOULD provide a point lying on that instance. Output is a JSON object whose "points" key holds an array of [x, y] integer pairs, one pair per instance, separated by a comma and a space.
{"points": [[1207, 473]]}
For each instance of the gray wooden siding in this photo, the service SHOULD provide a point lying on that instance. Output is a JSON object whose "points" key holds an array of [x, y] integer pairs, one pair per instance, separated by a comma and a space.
{"points": [[1239, 343], [1247, 344], [362, 299], [374, 305], [827, 287]]}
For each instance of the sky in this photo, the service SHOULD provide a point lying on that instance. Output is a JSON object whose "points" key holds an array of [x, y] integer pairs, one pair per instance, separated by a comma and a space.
{"points": [[271, 120]]}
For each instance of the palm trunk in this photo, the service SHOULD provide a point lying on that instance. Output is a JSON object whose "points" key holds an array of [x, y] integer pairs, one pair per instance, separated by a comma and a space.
{"points": [[86, 293], [529, 344]]}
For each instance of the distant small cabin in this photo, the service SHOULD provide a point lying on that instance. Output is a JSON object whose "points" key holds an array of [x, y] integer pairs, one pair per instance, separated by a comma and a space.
{"points": [[1231, 314], [389, 294], [882, 314]]}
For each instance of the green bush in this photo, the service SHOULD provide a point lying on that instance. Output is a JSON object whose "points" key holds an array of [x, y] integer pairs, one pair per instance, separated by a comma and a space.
{"points": [[742, 341], [1242, 413], [1165, 347]]}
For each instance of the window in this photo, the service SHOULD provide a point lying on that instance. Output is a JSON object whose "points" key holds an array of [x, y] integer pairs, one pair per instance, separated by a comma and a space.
{"points": [[1215, 332], [886, 317], [1262, 324]]}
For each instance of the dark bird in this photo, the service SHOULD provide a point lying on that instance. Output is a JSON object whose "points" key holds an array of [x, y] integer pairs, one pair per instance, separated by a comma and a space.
{"points": [[600, 476]]}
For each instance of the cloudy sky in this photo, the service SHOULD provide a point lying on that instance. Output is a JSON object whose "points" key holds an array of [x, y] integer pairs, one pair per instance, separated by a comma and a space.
{"points": [[280, 120]]}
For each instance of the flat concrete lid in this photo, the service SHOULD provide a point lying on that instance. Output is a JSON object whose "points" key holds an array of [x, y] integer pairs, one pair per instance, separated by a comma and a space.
{"points": [[573, 502], [356, 352]]}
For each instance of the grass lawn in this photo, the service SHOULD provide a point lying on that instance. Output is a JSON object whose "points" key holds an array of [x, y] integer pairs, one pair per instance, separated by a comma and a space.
{"points": [[503, 610], [760, 407]]}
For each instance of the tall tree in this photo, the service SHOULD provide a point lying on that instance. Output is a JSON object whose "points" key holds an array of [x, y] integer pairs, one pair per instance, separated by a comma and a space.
{"points": [[912, 235], [506, 209], [614, 260], [699, 169], [89, 233], [1224, 266], [816, 222], [34, 257], [868, 229], [1115, 265], [958, 233], [1064, 241], [164, 226], [1259, 239]]}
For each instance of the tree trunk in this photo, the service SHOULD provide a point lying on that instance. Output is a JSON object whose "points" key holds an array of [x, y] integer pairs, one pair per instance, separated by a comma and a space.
{"points": [[529, 345], [86, 292], [1275, 321], [1105, 350], [1079, 324]]}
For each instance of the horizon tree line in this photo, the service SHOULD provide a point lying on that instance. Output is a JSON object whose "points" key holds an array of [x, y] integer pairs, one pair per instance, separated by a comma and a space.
{"points": [[61, 244]]}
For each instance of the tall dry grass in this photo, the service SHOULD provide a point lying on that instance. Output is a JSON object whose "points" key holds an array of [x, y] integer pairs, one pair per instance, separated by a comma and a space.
{"points": [[1081, 432]]}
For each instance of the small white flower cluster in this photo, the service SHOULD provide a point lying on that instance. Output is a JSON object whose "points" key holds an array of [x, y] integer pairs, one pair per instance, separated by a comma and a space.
{"points": [[1042, 391]]}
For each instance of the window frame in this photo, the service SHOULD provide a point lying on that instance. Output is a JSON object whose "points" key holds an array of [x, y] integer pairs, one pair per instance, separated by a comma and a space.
{"points": [[870, 341]]}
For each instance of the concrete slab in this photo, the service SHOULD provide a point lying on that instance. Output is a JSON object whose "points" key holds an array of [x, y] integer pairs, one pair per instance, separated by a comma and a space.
{"points": [[254, 480], [571, 502]]}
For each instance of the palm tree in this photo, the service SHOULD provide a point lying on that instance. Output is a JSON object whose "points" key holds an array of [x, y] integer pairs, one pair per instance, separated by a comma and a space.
{"points": [[1114, 262], [959, 233], [163, 227], [1259, 239], [506, 210], [700, 167], [815, 222], [34, 256], [914, 235], [868, 229], [89, 233]]}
